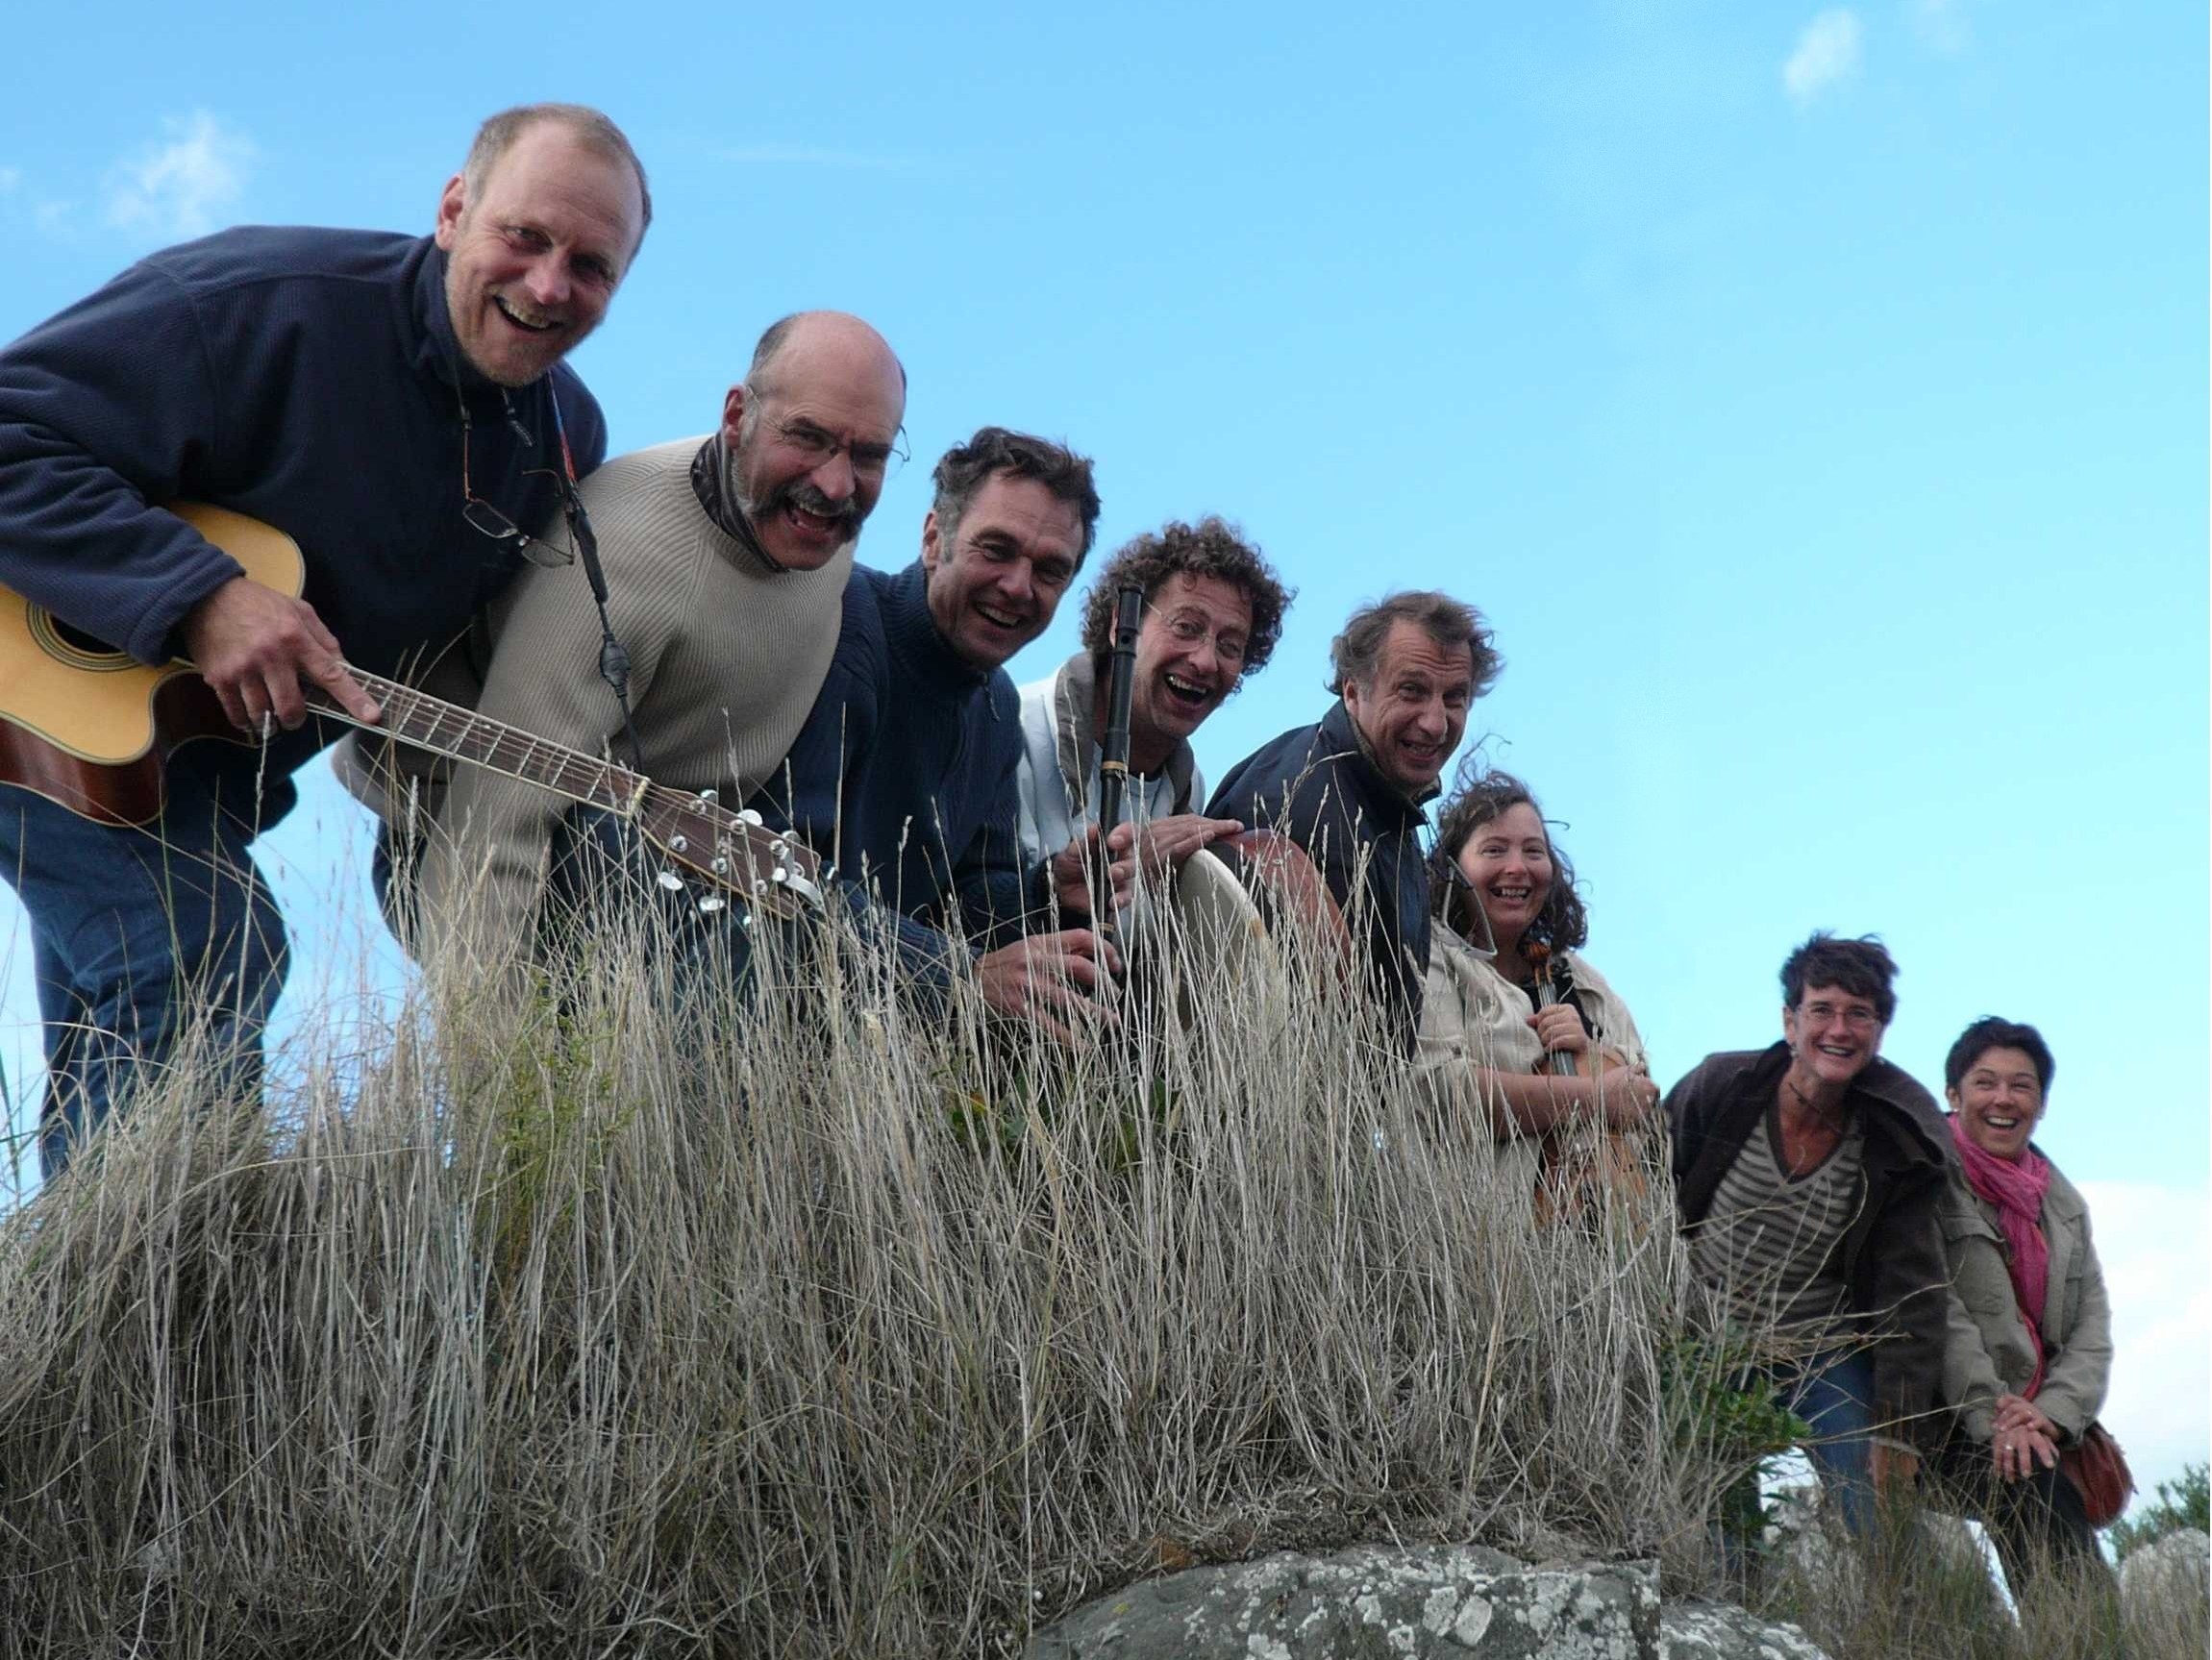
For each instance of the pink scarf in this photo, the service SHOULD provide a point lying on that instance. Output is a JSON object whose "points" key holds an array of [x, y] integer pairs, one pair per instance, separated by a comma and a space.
{"points": [[2016, 1187]]}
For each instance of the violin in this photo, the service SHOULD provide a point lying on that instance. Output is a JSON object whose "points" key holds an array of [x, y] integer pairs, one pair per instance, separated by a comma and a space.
{"points": [[1554, 985], [1573, 1178]]}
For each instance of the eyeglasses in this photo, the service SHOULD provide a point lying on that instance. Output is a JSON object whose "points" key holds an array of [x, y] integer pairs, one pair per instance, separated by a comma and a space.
{"points": [[1187, 631], [872, 462], [488, 520], [1854, 1019]]}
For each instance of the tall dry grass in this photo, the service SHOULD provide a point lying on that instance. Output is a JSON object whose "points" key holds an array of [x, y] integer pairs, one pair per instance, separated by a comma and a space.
{"points": [[646, 1313], [1925, 1589]]}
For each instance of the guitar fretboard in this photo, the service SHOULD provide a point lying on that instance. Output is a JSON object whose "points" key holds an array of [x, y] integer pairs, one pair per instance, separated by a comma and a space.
{"points": [[727, 850], [431, 723]]}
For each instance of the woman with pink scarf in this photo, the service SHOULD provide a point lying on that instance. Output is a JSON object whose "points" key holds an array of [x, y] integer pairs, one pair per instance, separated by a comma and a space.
{"points": [[2029, 1348]]}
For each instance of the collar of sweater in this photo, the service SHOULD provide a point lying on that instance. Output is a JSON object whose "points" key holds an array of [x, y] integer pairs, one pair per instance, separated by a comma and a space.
{"points": [[924, 657], [436, 348], [437, 353], [1343, 739], [1075, 734], [717, 495], [1882, 1092]]}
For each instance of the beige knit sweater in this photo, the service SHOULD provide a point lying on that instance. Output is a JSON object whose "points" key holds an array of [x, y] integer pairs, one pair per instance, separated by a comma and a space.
{"points": [[725, 659]]}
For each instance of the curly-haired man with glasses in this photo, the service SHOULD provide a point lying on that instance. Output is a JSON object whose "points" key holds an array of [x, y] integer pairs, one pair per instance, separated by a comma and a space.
{"points": [[1213, 611]]}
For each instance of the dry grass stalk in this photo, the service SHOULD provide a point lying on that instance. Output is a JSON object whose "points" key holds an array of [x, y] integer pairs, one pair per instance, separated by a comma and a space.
{"points": [[670, 1315]]}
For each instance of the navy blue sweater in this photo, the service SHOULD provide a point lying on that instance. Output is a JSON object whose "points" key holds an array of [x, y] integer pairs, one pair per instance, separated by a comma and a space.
{"points": [[1316, 785], [306, 377], [903, 773]]}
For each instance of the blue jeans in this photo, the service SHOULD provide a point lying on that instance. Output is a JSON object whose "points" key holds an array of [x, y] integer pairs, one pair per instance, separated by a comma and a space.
{"points": [[134, 932], [1833, 1392]]}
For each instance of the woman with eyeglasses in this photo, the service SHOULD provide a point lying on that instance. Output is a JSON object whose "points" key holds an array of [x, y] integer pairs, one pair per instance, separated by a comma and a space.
{"points": [[1514, 1019], [1810, 1176], [2031, 1347]]}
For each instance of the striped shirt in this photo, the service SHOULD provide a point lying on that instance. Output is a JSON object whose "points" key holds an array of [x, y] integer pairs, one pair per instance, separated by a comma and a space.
{"points": [[1769, 1242]]}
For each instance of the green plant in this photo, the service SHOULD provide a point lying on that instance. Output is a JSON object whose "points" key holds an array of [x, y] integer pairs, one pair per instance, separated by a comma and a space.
{"points": [[2186, 1501], [1726, 1412]]}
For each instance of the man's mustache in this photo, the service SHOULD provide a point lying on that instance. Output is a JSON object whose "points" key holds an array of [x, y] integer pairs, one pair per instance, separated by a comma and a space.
{"points": [[804, 494]]}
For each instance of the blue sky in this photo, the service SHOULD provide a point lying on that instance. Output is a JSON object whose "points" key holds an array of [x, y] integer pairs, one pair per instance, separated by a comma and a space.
{"points": [[1813, 399]]}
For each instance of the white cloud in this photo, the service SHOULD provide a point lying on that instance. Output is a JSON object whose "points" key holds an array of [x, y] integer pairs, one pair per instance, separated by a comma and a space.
{"points": [[1827, 53], [2154, 1243], [11, 178], [1941, 25], [183, 186]]}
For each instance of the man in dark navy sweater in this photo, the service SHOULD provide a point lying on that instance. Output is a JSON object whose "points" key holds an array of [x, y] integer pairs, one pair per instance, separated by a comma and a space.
{"points": [[904, 772], [1349, 788], [394, 405]]}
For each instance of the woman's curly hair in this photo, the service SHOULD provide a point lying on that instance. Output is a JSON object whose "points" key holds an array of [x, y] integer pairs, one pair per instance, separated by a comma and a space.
{"points": [[1479, 795], [1210, 548]]}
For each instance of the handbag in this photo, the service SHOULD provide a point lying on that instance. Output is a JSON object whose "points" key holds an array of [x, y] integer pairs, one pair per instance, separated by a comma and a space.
{"points": [[2100, 1474]]}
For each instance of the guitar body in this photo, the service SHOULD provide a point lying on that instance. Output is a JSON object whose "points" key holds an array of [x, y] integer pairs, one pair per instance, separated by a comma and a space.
{"points": [[89, 727]]}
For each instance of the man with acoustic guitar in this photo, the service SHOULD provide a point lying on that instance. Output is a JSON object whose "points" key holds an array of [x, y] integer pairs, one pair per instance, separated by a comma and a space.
{"points": [[396, 406]]}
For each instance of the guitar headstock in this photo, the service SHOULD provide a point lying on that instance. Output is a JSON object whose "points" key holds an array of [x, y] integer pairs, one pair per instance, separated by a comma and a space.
{"points": [[733, 852]]}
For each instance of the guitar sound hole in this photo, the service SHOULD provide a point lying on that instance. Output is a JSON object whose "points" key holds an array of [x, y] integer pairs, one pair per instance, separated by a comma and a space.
{"points": [[80, 640]]}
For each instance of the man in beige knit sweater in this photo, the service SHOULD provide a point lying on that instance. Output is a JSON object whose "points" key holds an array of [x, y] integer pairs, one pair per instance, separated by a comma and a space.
{"points": [[726, 557]]}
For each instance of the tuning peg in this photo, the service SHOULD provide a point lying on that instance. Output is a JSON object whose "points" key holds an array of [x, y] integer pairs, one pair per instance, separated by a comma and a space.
{"points": [[749, 817], [679, 844], [713, 798], [710, 902], [670, 881]]}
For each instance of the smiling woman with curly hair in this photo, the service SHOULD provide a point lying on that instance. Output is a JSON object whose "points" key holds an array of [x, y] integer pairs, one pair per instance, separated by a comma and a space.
{"points": [[1512, 1016]]}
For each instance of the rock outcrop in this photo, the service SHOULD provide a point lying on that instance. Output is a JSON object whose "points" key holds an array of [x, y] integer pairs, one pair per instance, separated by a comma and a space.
{"points": [[1455, 1603], [2170, 1570]]}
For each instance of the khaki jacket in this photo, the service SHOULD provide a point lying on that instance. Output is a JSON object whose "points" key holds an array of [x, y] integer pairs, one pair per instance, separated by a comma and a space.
{"points": [[1988, 1350], [1473, 1016]]}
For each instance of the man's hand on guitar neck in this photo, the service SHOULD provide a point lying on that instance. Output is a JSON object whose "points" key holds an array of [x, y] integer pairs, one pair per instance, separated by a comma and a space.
{"points": [[255, 647]]}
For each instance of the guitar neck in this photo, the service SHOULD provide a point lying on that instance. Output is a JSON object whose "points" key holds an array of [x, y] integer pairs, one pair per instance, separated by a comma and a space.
{"points": [[432, 724], [730, 851]]}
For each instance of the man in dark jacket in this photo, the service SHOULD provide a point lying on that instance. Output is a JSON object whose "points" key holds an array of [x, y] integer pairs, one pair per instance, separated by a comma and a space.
{"points": [[1809, 1178], [394, 405], [904, 769], [1349, 788]]}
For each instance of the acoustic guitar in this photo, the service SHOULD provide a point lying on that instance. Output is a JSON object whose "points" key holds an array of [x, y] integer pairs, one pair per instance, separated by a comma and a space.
{"points": [[90, 728]]}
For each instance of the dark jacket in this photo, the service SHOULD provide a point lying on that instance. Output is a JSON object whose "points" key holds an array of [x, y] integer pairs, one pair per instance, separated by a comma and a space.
{"points": [[308, 378], [1316, 785], [903, 775], [1893, 1261]]}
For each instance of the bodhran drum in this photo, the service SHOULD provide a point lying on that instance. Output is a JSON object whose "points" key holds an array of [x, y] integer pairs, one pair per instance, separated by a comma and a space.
{"points": [[1236, 909]]}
